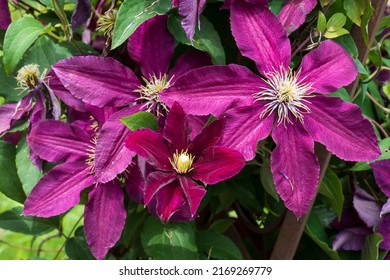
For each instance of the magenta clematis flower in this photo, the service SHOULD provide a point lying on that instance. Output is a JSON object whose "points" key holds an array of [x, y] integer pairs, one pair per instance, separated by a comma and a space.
{"points": [[190, 11], [171, 190], [288, 104], [5, 16], [381, 170]]}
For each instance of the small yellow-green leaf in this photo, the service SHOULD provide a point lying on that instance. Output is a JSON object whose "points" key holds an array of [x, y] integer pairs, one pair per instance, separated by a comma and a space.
{"points": [[335, 34], [336, 22], [321, 22]]}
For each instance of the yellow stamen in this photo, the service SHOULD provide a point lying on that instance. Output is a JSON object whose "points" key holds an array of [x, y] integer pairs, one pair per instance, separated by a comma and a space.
{"points": [[28, 77], [182, 162]]}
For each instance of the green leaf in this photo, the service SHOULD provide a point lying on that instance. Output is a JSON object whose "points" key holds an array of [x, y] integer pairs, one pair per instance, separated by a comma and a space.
{"points": [[173, 241], [77, 248], [275, 6], [20, 35], [217, 246], [140, 120], [341, 93], [354, 10], [8, 86], [335, 34], [316, 231], [360, 67], [132, 13], [336, 22], [28, 174], [332, 189], [321, 22], [368, 12], [221, 225], [349, 44], [14, 221], [370, 249], [206, 39], [324, 2], [384, 145], [9, 181], [267, 180]]}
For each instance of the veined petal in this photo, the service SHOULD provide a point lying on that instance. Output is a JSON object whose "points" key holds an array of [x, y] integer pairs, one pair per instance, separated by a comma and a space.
{"points": [[38, 112], [104, 217], [197, 123], [351, 239], [99, 81], [385, 208], [190, 10], [384, 229], [381, 170], [57, 141], [366, 207], [155, 182], [5, 16], [135, 183], [7, 112], [193, 193], [294, 12], [217, 164], [169, 200], [58, 190], [207, 138], [213, 89], [152, 146], [111, 155], [176, 129], [341, 127], [260, 36], [244, 129], [152, 46], [294, 167], [81, 13], [328, 68]]}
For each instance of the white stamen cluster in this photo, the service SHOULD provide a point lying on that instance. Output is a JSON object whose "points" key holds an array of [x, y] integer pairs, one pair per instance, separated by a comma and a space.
{"points": [[286, 94], [149, 93], [182, 162], [28, 77]]}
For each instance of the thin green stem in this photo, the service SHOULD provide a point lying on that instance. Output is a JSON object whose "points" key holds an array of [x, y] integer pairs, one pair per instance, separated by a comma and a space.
{"points": [[387, 110]]}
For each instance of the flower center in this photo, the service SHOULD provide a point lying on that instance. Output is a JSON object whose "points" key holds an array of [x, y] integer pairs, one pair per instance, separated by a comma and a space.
{"points": [[106, 24], [28, 77], [182, 162], [286, 94], [149, 93], [90, 161]]}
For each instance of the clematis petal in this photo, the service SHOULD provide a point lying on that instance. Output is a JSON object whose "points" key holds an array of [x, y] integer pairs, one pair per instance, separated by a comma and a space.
{"points": [[244, 129], [260, 36], [104, 217], [152, 46], [155, 182], [135, 183], [294, 12], [381, 170], [351, 239], [213, 89], [81, 13], [58, 190], [190, 10], [328, 68], [217, 164], [384, 229], [366, 207], [176, 129], [197, 123], [385, 208], [152, 146], [7, 112], [111, 155], [208, 137], [98, 81], [294, 167], [190, 60], [38, 112], [57, 141], [5, 16], [341, 127], [193, 193]]}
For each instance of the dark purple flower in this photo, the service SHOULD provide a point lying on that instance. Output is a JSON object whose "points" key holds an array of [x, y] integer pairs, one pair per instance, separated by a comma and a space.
{"points": [[178, 162], [5, 16], [288, 104], [190, 10], [381, 170]]}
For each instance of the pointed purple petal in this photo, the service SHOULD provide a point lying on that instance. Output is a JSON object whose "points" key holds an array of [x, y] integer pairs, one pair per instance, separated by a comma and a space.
{"points": [[193, 193], [176, 129], [244, 129], [328, 68], [260, 36], [57, 141], [213, 89], [190, 10], [294, 12], [38, 112], [190, 60], [5, 16], [104, 217], [81, 13], [207, 138], [152, 146], [381, 170], [341, 127], [58, 190], [155, 182], [366, 206], [7, 111], [217, 164], [101, 114], [197, 123], [151, 46], [135, 183], [351, 239], [111, 155], [384, 229], [99, 81], [294, 167], [385, 208]]}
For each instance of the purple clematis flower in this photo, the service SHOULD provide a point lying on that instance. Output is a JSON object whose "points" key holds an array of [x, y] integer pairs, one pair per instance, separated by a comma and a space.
{"points": [[171, 190], [288, 104], [5, 16], [190, 11], [381, 170]]}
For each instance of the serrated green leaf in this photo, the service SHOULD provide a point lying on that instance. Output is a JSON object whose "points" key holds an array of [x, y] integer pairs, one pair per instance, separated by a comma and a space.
{"points": [[267, 180], [370, 249], [77, 248], [217, 246], [206, 39], [354, 10], [20, 35], [335, 34], [368, 12], [321, 22], [140, 120], [9, 182], [336, 22], [132, 13], [173, 241], [14, 221], [384, 145], [332, 189], [28, 174]]}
